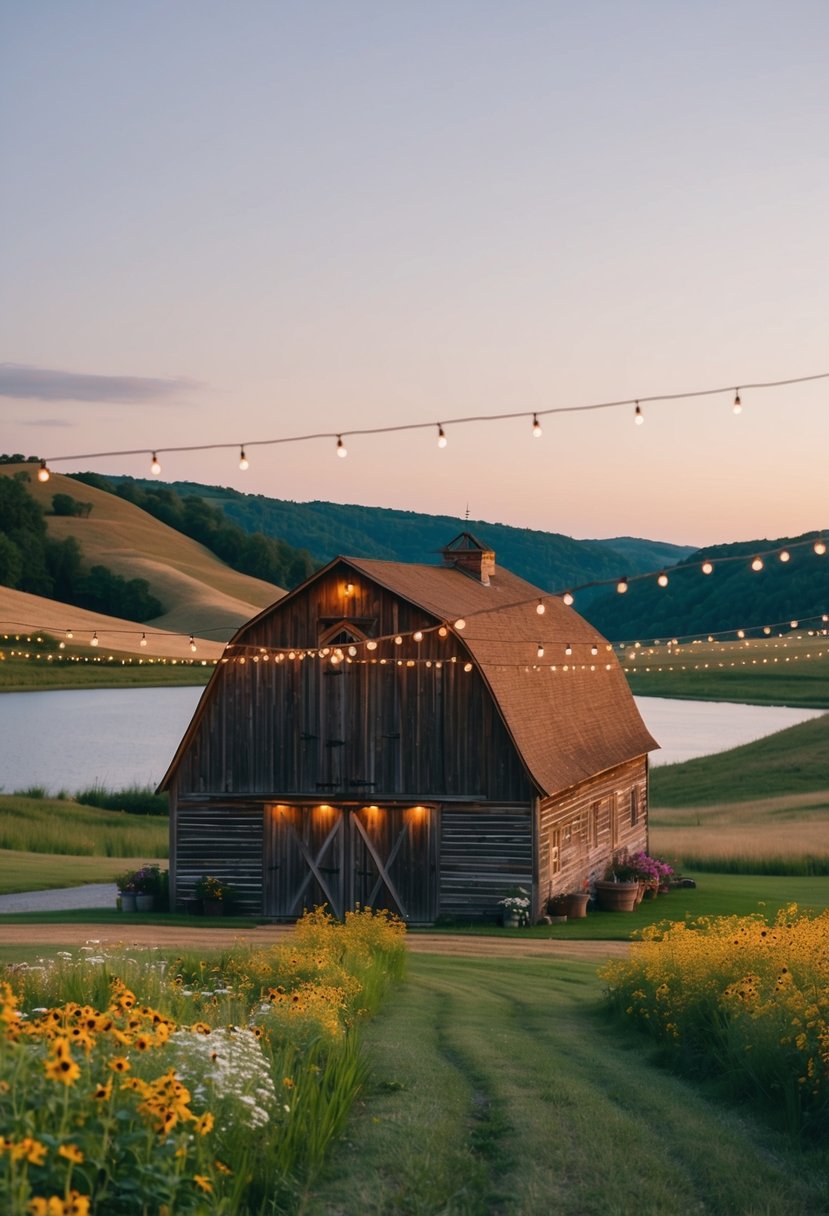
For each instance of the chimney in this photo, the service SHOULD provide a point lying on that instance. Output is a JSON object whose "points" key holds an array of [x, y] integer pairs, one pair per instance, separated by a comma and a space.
{"points": [[468, 554]]}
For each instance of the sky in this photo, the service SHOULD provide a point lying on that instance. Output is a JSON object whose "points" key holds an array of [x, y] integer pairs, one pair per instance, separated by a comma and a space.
{"points": [[226, 223]]}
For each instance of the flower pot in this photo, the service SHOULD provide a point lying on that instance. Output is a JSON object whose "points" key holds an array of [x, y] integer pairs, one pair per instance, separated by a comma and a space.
{"points": [[144, 903], [128, 901], [511, 920], [213, 907], [557, 905], [193, 906], [576, 905], [617, 896]]}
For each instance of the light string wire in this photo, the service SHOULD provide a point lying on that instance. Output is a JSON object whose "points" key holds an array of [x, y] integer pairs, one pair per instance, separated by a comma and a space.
{"points": [[531, 415]]}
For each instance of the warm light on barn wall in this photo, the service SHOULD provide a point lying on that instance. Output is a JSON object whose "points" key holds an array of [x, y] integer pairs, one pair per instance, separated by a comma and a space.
{"points": [[349, 589]]}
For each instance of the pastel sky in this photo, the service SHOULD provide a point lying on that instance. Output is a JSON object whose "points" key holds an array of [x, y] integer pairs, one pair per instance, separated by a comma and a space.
{"points": [[231, 222]]}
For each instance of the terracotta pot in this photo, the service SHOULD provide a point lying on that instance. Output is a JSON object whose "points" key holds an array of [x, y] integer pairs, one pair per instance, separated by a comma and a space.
{"points": [[127, 901], [617, 896], [577, 905]]}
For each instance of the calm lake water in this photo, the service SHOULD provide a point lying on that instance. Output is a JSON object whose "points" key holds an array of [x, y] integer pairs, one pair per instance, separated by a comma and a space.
{"points": [[125, 736]]}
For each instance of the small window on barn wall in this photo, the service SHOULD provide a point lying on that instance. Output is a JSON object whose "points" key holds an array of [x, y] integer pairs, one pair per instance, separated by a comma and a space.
{"points": [[634, 806], [614, 821], [593, 830], [555, 851]]}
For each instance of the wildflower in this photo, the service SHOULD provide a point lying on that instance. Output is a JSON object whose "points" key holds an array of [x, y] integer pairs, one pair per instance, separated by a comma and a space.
{"points": [[72, 1153], [119, 1064], [62, 1068], [222, 1168], [204, 1124], [103, 1091], [203, 1183]]}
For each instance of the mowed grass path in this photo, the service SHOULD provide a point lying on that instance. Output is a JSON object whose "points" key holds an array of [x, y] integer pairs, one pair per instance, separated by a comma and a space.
{"points": [[502, 1087]]}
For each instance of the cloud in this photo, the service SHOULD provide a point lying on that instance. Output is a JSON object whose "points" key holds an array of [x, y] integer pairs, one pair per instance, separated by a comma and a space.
{"points": [[45, 384], [44, 422]]}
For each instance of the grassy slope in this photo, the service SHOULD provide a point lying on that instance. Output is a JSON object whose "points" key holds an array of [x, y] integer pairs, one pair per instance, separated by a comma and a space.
{"points": [[59, 672], [197, 589], [504, 1089], [793, 761]]}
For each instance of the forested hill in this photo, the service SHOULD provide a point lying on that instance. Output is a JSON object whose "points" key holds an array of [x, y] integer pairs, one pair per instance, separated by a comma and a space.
{"points": [[732, 597], [550, 560]]}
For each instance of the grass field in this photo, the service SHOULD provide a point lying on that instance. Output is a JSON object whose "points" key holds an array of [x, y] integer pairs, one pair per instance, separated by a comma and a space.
{"points": [[505, 1089], [88, 670], [60, 826], [20, 871]]}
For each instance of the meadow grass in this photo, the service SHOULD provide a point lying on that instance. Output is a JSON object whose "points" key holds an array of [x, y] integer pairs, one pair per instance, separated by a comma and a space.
{"points": [[20, 871], [58, 825], [505, 1087], [48, 674]]}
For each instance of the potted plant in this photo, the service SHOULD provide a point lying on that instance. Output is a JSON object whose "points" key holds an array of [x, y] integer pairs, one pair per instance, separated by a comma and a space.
{"points": [[215, 894], [143, 889], [126, 890], [516, 907], [576, 902], [618, 891]]}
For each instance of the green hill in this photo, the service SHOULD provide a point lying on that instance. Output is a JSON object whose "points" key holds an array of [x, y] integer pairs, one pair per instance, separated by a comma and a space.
{"points": [[325, 529]]}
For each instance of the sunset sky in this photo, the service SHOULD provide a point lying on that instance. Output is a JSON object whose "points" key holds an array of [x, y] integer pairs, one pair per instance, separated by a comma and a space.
{"points": [[225, 223]]}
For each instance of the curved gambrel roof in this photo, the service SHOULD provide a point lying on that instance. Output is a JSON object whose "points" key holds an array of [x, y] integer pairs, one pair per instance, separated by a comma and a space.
{"points": [[567, 723]]}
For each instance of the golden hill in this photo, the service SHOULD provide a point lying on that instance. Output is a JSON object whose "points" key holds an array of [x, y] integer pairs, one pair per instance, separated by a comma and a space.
{"points": [[201, 595]]}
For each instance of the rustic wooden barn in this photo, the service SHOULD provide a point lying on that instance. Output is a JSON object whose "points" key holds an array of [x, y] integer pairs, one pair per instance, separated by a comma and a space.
{"points": [[422, 738]]}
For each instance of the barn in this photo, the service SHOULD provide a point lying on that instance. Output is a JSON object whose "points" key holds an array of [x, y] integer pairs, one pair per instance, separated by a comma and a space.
{"points": [[423, 738]]}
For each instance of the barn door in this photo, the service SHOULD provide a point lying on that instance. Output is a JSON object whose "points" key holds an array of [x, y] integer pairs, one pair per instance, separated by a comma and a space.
{"points": [[394, 861], [304, 860]]}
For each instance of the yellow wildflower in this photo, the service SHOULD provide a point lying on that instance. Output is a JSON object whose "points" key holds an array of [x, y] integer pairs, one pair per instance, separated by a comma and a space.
{"points": [[204, 1124], [71, 1152], [203, 1183]]}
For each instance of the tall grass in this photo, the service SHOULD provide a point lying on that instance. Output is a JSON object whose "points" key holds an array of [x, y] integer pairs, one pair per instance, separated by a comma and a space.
{"points": [[134, 799], [52, 825]]}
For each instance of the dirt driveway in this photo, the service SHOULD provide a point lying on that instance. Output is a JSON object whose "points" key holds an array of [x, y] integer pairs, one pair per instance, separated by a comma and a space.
{"points": [[185, 937]]}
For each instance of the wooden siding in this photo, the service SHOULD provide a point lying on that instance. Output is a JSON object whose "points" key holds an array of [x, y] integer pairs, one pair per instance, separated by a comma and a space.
{"points": [[225, 841], [578, 831], [372, 727], [484, 853]]}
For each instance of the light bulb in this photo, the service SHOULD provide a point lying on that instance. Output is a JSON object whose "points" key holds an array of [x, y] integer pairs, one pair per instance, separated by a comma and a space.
{"points": [[567, 598], [568, 649], [244, 463], [819, 547], [540, 651], [352, 650], [707, 567], [785, 555], [767, 630], [43, 473], [349, 588], [143, 641], [662, 579], [460, 623], [537, 432], [638, 416], [398, 641], [737, 407], [757, 564], [69, 634], [540, 608], [467, 666], [342, 450], [371, 645], [793, 624], [594, 649], [94, 640], [622, 586], [418, 635], [155, 467], [443, 631], [741, 633], [192, 643], [442, 440]]}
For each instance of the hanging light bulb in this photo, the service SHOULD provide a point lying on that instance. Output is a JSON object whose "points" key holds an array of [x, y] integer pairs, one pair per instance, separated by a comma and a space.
{"points": [[371, 645], [442, 440], [594, 649], [537, 432], [43, 473], [568, 649], [398, 641], [819, 547], [155, 467], [467, 667], [662, 579], [541, 607], [418, 635], [69, 634], [192, 643], [622, 586], [737, 407], [785, 555], [244, 463], [638, 416], [757, 564], [94, 640], [707, 567], [460, 623], [567, 598], [540, 651], [767, 630], [741, 633], [793, 624], [342, 450]]}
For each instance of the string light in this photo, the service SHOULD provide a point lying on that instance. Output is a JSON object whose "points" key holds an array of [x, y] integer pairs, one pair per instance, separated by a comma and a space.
{"points": [[460, 623], [43, 473], [540, 607], [69, 634], [638, 416], [418, 635], [474, 418], [737, 407], [757, 563], [143, 641], [94, 640], [568, 649], [785, 555], [155, 466], [442, 440], [244, 463], [662, 579], [567, 598], [193, 646], [622, 586], [540, 651], [342, 450], [819, 547], [707, 567], [537, 432]]}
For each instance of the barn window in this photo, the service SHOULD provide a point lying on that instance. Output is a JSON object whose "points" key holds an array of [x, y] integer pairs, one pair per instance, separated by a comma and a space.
{"points": [[614, 822], [634, 806], [593, 831], [555, 851], [342, 633]]}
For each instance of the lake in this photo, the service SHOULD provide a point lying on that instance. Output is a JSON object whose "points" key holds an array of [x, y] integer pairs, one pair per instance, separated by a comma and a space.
{"points": [[128, 736]]}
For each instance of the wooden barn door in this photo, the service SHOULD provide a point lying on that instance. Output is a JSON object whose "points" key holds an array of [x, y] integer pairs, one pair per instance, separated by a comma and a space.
{"points": [[304, 860], [394, 861], [372, 857]]}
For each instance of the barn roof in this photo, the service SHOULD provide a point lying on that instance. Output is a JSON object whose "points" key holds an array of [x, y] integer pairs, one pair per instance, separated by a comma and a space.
{"points": [[566, 725]]}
